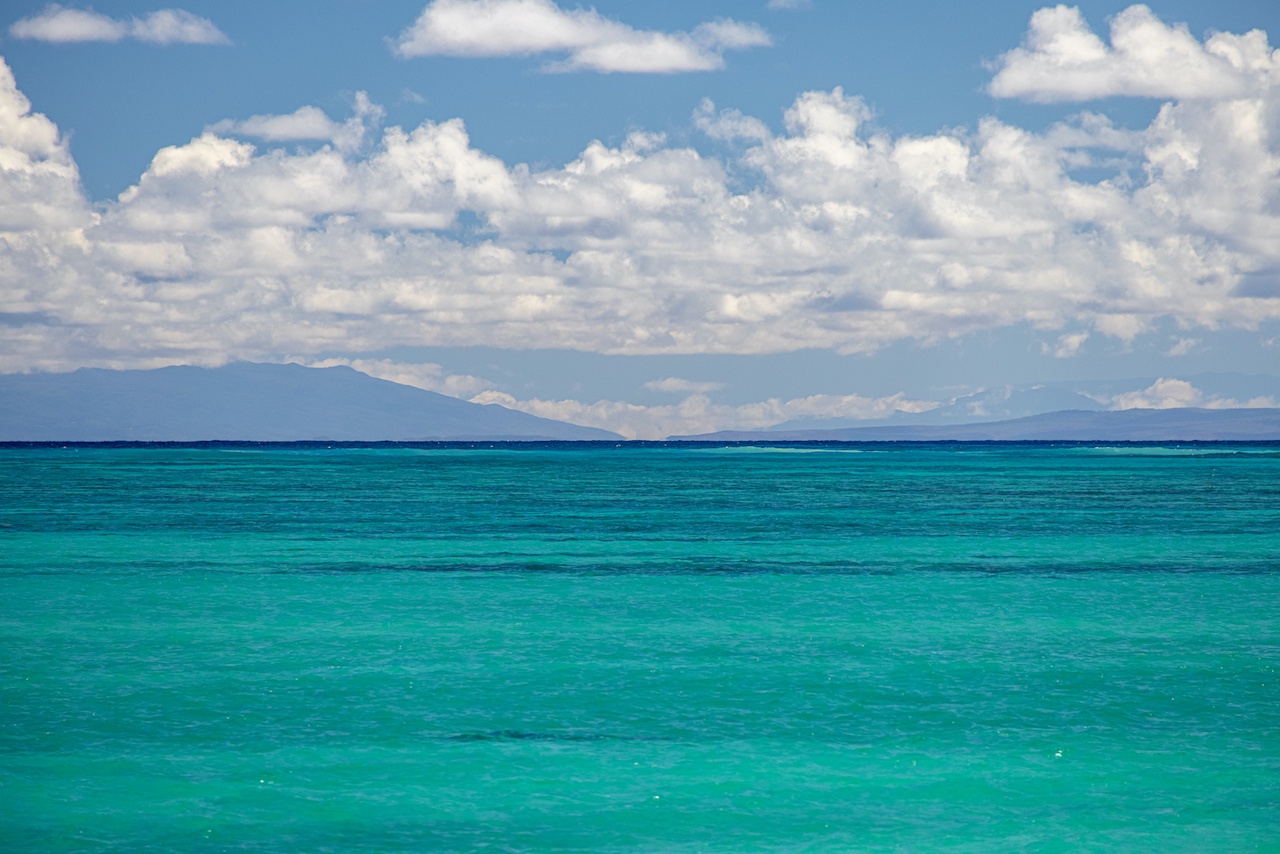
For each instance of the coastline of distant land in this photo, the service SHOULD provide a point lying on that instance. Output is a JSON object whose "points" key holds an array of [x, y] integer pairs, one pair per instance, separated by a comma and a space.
{"points": [[1125, 425]]}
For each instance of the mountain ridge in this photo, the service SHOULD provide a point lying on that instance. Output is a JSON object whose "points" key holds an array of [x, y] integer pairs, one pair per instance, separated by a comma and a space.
{"points": [[252, 401]]}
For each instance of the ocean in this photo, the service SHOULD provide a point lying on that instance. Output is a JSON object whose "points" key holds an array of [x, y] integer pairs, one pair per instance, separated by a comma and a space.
{"points": [[640, 647]]}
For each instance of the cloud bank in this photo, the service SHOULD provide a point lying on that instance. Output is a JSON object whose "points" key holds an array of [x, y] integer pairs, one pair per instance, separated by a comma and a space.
{"points": [[61, 25], [832, 234], [694, 412], [586, 39], [697, 413]]}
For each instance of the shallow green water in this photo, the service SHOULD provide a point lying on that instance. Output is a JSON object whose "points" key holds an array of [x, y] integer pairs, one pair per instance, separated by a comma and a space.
{"points": [[965, 648]]}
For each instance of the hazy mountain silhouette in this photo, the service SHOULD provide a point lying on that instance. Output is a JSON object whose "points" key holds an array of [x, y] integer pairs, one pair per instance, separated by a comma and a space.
{"points": [[1127, 425], [249, 401], [1004, 403]]}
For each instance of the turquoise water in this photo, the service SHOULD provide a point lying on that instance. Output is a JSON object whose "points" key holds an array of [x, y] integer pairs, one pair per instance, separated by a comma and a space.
{"points": [[599, 648]]}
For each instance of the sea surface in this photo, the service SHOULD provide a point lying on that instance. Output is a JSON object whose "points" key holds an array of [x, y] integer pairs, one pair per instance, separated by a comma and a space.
{"points": [[928, 647]]}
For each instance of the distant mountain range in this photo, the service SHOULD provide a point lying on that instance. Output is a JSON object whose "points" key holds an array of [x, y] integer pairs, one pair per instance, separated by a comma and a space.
{"points": [[265, 402], [1224, 390], [256, 402], [1127, 425]]}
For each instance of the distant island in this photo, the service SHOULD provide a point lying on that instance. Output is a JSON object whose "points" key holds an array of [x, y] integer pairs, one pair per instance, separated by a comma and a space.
{"points": [[1125, 425], [253, 402]]}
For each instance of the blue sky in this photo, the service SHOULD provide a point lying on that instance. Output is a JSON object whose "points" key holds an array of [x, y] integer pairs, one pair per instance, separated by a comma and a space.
{"points": [[658, 217]]}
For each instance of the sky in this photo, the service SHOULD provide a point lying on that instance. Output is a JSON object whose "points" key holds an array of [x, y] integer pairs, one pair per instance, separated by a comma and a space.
{"points": [[660, 217]]}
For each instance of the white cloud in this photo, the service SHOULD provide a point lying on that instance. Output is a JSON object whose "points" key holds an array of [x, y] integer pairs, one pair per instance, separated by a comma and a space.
{"points": [[1063, 60], [1162, 394], [206, 155], [1167, 393], [60, 24], [174, 26], [588, 40], [309, 123], [1068, 345], [728, 125], [39, 183], [789, 4], [830, 234], [302, 123]]}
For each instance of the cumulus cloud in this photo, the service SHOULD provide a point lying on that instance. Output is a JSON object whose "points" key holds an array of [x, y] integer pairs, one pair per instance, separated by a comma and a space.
{"points": [[308, 123], [587, 40], [1062, 59], [60, 24], [1068, 345], [728, 125], [831, 234], [39, 184], [1166, 393]]}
